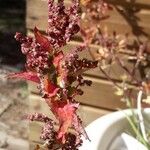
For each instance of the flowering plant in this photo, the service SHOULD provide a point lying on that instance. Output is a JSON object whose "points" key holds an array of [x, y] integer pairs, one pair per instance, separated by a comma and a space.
{"points": [[118, 49], [59, 76], [130, 57]]}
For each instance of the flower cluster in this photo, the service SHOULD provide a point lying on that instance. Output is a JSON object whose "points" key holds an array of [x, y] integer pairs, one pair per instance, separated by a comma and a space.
{"points": [[93, 13], [63, 22], [96, 9], [37, 51], [59, 76]]}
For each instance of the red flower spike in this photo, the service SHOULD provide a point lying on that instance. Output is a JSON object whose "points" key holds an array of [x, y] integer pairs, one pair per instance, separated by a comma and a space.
{"points": [[42, 40], [52, 69], [26, 76]]}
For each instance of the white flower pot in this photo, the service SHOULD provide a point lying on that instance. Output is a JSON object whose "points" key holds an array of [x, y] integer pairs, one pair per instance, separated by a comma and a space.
{"points": [[105, 133]]}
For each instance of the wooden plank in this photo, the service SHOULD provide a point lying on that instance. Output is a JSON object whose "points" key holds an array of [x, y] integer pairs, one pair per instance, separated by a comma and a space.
{"points": [[96, 95], [37, 104], [34, 130], [139, 3], [101, 94], [142, 32], [136, 24], [88, 114], [115, 71], [146, 2], [37, 16]]}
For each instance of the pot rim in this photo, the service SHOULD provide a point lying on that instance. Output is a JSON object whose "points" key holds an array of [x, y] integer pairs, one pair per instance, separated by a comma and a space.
{"points": [[103, 127]]}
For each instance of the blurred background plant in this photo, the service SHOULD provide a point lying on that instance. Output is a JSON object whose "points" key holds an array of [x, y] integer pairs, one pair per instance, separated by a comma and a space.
{"points": [[122, 50], [116, 48]]}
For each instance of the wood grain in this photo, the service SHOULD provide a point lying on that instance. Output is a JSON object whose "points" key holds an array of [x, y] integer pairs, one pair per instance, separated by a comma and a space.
{"points": [[37, 16], [37, 104], [88, 114], [114, 71], [100, 95]]}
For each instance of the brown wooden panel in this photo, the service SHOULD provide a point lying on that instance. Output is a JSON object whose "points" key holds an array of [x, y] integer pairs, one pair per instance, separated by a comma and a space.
{"points": [[115, 71], [141, 3], [37, 104], [88, 114], [34, 130], [37, 16], [100, 94], [100, 89]]}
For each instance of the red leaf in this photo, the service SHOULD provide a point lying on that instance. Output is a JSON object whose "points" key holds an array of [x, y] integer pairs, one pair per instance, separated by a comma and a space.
{"points": [[42, 40], [49, 87], [64, 112], [26, 76]]}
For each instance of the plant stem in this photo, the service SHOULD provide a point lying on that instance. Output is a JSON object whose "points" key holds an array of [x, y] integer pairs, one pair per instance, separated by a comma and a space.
{"points": [[131, 74], [109, 78], [140, 116]]}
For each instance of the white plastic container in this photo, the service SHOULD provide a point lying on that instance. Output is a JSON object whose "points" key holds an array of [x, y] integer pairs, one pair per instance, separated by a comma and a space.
{"points": [[105, 133]]}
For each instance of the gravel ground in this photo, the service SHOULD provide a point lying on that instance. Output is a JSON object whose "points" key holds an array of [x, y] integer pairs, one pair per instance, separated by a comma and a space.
{"points": [[14, 105], [13, 93]]}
